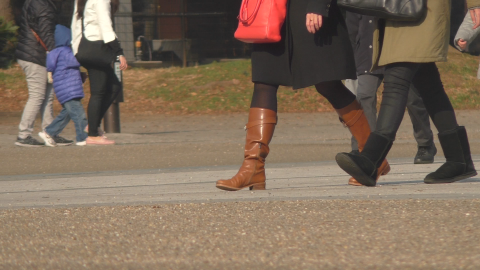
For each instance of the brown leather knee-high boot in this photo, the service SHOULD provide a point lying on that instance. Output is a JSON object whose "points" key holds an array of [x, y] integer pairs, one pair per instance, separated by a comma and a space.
{"points": [[260, 128], [352, 116]]}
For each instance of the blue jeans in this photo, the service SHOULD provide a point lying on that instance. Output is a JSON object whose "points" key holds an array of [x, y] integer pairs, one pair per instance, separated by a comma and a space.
{"points": [[72, 109]]}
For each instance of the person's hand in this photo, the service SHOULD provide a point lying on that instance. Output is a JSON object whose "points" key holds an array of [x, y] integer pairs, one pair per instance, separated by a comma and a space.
{"points": [[475, 14], [49, 77], [314, 22], [123, 62], [462, 44]]}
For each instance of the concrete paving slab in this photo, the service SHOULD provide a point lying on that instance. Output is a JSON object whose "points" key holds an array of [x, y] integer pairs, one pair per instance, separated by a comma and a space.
{"points": [[162, 141], [293, 181]]}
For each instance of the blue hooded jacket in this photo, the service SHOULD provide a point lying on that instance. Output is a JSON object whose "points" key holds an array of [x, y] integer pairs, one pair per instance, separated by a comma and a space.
{"points": [[67, 81]]}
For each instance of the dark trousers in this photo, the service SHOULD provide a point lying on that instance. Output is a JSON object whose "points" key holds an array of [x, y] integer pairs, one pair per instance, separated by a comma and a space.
{"points": [[399, 77], [420, 119], [104, 89], [366, 90]]}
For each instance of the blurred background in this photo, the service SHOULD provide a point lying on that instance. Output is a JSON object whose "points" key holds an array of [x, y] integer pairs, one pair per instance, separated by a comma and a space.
{"points": [[161, 33]]}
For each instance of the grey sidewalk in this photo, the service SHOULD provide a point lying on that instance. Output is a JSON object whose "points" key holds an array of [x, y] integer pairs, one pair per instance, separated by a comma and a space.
{"points": [[158, 142], [178, 159], [286, 182]]}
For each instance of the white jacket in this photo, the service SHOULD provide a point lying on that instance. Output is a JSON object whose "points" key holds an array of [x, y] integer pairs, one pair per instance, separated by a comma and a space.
{"points": [[97, 23]]}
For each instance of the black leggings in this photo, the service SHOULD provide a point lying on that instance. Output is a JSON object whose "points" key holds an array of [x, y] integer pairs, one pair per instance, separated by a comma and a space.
{"points": [[265, 95], [104, 89], [426, 78]]}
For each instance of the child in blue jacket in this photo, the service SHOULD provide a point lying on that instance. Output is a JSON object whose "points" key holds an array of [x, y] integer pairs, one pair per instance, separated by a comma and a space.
{"points": [[68, 87]]}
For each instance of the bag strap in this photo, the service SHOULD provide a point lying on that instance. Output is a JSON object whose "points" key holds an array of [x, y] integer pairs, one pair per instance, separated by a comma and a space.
{"points": [[244, 11], [83, 27], [39, 40], [83, 19]]}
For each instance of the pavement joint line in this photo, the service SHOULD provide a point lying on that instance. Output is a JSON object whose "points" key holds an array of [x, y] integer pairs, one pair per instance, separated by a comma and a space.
{"points": [[396, 161], [104, 187]]}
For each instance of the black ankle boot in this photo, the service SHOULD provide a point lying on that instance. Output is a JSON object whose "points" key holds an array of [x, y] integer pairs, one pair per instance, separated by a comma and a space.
{"points": [[459, 163], [363, 167]]}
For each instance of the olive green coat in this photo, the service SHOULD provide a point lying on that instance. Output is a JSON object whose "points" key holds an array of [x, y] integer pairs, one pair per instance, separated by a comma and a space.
{"points": [[418, 42]]}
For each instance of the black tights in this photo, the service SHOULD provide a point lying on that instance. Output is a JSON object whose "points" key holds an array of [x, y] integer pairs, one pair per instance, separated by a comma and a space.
{"points": [[265, 95], [426, 78], [104, 89]]}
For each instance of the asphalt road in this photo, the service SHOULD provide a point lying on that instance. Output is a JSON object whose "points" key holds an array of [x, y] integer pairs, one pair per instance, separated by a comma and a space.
{"points": [[318, 234]]}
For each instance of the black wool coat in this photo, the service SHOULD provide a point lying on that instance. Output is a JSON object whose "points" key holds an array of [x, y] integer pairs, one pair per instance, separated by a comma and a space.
{"points": [[302, 59], [39, 15]]}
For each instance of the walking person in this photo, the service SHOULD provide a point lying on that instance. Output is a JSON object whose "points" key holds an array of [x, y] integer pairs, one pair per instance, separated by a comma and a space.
{"points": [[408, 63], [68, 86], [466, 34], [314, 50], [35, 39], [360, 29], [466, 39], [93, 20]]}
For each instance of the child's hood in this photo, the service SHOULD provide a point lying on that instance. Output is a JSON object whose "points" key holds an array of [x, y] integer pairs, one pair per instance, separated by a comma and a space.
{"points": [[63, 36]]}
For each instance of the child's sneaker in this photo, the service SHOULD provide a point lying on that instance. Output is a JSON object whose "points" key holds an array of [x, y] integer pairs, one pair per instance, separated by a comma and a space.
{"points": [[49, 141], [82, 143]]}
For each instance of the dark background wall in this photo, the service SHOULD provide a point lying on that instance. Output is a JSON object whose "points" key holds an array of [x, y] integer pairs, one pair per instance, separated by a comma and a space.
{"points": [[209, 25]]}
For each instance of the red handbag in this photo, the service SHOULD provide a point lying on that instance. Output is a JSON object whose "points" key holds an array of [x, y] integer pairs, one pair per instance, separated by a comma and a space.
{"points": [[260, 21]]}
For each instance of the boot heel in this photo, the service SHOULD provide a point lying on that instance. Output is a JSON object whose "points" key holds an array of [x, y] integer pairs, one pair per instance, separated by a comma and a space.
{"points": [[384, 168], [260, 186]]}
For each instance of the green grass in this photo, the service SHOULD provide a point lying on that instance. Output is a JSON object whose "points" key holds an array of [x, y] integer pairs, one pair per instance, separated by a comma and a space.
{"points": [[226, 87], [10, 79], [217, 87]]}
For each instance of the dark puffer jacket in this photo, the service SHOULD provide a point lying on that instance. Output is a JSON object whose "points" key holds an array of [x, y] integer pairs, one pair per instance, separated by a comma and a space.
{"points": [[39, 15]]}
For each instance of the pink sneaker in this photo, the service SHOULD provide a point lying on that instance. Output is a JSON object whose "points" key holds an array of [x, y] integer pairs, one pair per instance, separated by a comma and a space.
{"points": [[99, 141]]}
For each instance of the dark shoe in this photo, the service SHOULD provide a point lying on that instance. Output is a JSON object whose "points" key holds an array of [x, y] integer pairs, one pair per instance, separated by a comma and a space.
{"points": [[459, 163], [359, 167], [425, 154], [364, 167], [449, 172], [60, 141], [28, 142], [384, 169]]}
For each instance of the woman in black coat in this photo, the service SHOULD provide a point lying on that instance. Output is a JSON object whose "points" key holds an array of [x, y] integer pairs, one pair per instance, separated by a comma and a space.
{"points": [[314, 50]]}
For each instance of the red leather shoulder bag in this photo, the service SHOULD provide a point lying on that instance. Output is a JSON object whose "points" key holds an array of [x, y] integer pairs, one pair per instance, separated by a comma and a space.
{"points": [[261, 21]]}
